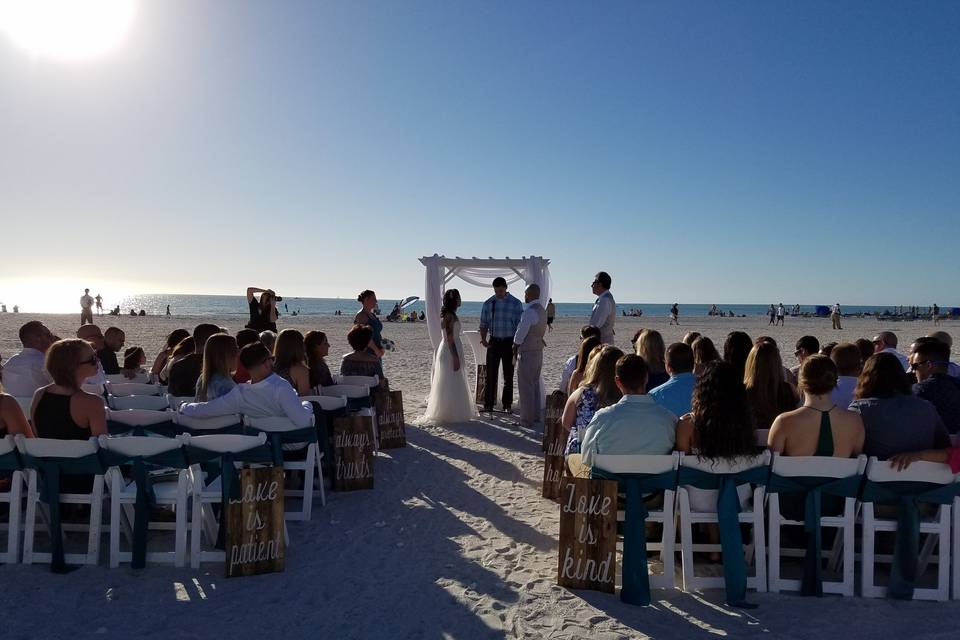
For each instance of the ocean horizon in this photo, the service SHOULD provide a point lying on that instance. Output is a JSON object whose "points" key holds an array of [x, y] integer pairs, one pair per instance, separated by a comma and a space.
{"points": [[230, 305]]}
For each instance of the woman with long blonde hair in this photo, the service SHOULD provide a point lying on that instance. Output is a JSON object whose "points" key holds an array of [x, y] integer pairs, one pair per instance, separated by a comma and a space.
{"points": [[768, 393], [587, 347], [598, 390], [219, 362], [650, 347]]}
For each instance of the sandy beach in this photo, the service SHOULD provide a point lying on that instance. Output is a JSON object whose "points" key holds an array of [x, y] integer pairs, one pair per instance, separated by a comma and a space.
{"points": [[453, 542]]}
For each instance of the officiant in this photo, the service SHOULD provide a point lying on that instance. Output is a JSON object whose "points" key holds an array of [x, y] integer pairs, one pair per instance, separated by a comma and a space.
{"points": [[499, 318]]}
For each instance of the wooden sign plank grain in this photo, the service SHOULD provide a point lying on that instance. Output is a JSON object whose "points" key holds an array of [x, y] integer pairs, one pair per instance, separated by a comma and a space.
{"points": [[390, 421], [554, 444], [587, 556], [254, 539], [353, 453]]}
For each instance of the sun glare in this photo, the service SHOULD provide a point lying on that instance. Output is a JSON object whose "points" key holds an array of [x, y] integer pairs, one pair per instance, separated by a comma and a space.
{"points": [[57, 295], [67, 30]]}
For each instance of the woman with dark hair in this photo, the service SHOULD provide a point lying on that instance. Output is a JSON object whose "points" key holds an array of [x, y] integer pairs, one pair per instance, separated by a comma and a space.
{"points": [[366, 316], [133, 360], [583, 359], [768, 393], [895, 420], [160, 362], [290, 360], [736, 349], [263, 312], [450, 400], [599, 390], [703, 352], [220, 360], [317, 346], [362, 362]]}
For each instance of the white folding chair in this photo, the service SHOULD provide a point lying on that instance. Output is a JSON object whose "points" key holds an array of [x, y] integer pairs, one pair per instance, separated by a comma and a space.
{"points": [[358, 381], [119, 378], [41, 448], [843, 548], [309, 465], [751, 514], [153, 403], [12, 497], [174, 402], [349, 392], [95, 389], [123, 493], [327, 403], [125, 420], [666, 515], [206, 425], [133, 389], [203, 524], [937, 525]]}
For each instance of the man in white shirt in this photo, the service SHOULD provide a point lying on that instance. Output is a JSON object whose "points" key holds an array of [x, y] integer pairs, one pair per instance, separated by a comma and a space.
{"points": [[605, 308], [266, 395], [86, 308], [886, 342], [835, 316], [25, 372], [528, 346], [953, 369]]}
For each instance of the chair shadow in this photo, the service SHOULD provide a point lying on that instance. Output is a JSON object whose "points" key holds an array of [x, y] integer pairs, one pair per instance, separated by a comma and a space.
{"points": [[484, 461]]}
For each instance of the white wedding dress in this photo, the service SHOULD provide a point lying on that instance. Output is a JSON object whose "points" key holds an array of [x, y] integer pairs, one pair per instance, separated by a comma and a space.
{"points": [[450, 400]]}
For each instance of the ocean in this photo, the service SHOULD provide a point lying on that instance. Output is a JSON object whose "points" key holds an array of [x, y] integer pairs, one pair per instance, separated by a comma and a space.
{"points": [[202, 305]]}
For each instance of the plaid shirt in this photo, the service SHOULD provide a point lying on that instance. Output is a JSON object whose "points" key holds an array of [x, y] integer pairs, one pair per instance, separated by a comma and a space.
{"points": [[501, 317]]}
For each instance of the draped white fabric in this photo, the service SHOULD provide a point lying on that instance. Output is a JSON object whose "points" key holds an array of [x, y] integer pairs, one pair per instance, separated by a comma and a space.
{"points": [[433, 297]]}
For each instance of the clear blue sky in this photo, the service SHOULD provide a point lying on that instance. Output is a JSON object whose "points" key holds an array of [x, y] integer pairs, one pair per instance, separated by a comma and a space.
{"points": [[698, 151]]}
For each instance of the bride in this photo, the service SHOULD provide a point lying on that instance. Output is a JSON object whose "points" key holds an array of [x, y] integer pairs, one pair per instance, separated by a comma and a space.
{"points": [[449, 400]]}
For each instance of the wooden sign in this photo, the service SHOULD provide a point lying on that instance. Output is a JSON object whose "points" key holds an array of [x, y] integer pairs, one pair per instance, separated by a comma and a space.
{"points": [[481, 385], [352, 453], [587, 557], [254, 540], [554, 444], [390, 423]]}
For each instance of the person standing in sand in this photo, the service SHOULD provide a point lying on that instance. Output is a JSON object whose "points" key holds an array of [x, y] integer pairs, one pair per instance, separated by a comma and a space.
{"points": [[499, 318], [86, 308], [99, 301], [605, 308], [449, 401], [781, 312], [675, 314], [528, 346], [835, 316]]}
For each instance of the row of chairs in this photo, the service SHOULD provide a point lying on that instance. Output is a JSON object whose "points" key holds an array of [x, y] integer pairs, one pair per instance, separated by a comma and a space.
{"points": [[861, 483]]}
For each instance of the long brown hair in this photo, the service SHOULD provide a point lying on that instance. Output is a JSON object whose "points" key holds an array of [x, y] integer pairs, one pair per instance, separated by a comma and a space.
{"points": [[721, 417], [882, 377], [602, 375], [767, 391], [219, 355], [288, 350], [583, 356]]}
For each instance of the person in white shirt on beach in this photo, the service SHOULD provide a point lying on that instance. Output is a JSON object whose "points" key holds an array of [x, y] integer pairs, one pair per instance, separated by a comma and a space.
{"points": [[25, 372], [528, 346], [605, 308], [266, 395], [86, 308], [886, 342]]}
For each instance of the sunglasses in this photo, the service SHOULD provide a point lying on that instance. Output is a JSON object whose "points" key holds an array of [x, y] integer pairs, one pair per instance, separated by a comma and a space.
{"points": [[91, 360], [919, 363]]}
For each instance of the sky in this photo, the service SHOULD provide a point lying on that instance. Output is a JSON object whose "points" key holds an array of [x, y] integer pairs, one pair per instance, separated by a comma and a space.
{"points": [[703, 152]]}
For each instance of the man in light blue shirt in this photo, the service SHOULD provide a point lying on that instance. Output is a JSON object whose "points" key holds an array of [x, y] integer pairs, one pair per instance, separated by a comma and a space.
{"points": [[675, 394], [635, 424]]}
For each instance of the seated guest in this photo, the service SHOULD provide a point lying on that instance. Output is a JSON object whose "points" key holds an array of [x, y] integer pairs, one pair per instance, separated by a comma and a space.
{"points": [[317, 346], [12, 420], [886, 342], [269, 339], [185, 372], [768, 393], [113, 341], [806, 347], [884, 401], [953, 369], [703, 352], [634, 425], [819, 427], [675, 394], [690, 338], [827, 349], [185, 348], [846, 356], [866, 349], [929, 362], [159, 367], [24, 372], [266, 395], [599, 389], [244, 337], [91, 333], [589, 346], [571, 363], [736, 349], [650, 347], [219, 362], [362, 362], [62, 410], [289, 360], [133, 360]]}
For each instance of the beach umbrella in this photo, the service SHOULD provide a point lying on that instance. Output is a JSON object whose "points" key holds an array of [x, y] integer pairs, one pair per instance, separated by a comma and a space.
{"points": [[406, 302]]}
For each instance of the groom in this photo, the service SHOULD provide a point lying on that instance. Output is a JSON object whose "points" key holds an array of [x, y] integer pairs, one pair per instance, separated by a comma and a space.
{"points": [[499, 318], [528, 345]]}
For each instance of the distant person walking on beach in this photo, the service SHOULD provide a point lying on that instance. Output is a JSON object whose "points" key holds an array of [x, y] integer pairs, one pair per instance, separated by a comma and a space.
{"points": [[772, 313], [99, 301], [168, 309], [263, 313], [936, 314], [551, 314], [781, 312], [835, 316], [86, 308], [499, 317], [675, 314], [605, 308]]}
